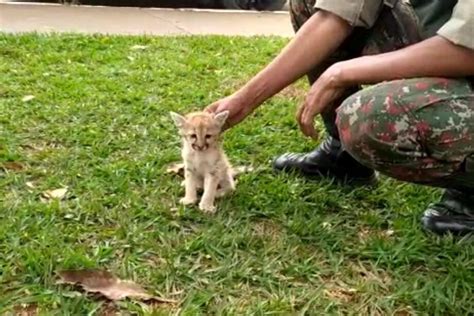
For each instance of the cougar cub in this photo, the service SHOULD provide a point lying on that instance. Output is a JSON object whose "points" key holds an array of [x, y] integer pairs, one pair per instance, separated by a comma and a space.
{"points": [[206, 165]]}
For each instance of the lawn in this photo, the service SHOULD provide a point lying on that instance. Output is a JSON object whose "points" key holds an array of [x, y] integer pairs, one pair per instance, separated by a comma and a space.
{"points": [[91, 114]]}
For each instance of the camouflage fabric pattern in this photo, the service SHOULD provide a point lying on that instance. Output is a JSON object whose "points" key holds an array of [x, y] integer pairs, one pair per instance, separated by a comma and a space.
{"points": [[418, 130], [395, 28]]}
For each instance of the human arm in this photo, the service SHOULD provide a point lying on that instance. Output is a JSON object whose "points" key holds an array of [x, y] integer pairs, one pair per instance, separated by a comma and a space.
{"points": [[321, 35], [448, 54], [434, 57]]}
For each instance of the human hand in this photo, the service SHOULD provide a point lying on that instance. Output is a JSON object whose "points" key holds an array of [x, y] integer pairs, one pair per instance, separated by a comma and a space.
{"points": [[237, 107], [320, 98]]}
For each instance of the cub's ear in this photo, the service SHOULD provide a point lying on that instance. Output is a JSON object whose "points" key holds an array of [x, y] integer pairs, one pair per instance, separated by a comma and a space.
{"points": [[221, 117], [178, 119]]}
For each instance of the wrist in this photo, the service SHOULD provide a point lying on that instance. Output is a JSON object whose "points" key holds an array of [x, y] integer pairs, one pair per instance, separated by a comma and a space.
{"points": [[250, 95], [337, 75], [354, 71]]}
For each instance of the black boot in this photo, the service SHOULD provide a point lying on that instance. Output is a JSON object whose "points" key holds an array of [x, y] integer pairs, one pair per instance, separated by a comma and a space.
{"points": [[453, 214], [328, 160]]}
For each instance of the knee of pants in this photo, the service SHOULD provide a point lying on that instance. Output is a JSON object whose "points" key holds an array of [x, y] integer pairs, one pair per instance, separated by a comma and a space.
{"points": [[368, 134], [372, 135], [389, 127], [356, 133]]}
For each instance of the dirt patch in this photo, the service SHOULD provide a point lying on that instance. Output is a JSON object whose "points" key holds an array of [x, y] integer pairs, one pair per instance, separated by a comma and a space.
{"points": [[267, 229], [12, 166], [26, 310], [342, 294], [108, 309], [370, 274], [366, 233], [295, 92]]}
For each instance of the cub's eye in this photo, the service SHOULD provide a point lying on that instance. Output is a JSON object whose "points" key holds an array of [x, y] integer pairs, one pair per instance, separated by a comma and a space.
{"points": [[193, 136], [208, 136]]}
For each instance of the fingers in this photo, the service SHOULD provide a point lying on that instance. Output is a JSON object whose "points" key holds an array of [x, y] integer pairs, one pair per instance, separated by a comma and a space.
{"points": [[219, 106], [307, 124], [235, 119], [299, 112], [305, 118], [212, 108]]}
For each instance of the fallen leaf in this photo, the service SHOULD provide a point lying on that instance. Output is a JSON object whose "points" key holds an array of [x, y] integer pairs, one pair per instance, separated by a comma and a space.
{"points": [[71, 294], [27, 98], [108, 309], [124, 289], [105, 283], [12, 165], [326, 225], [176, 168], [343, 294], [55, 194], [26, 310], [363, 234], [30, 184], [138, 47], [88, 277], [389, 232], [241, 169]]}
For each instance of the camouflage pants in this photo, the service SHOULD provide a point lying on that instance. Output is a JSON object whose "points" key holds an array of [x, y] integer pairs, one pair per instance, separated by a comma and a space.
{"points": [[417, 130]]}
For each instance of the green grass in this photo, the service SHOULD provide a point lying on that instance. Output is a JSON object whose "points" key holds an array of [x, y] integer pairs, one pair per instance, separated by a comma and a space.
{"points": [[99, 125]]}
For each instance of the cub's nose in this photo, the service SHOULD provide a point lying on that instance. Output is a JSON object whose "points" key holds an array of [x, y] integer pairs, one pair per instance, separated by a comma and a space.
{"points": [[199, 147]]}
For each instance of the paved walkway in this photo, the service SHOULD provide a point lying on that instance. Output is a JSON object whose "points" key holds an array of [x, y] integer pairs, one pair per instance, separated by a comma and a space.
{"points": [[28, 17]]}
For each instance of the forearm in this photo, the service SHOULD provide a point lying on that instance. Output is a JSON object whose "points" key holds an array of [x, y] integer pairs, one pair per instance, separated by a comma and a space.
{"points": [[434, 57], [314, 42]]}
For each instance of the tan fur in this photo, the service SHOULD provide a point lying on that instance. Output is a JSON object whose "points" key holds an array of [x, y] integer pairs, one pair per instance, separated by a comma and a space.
{"points": [[206, 165]]}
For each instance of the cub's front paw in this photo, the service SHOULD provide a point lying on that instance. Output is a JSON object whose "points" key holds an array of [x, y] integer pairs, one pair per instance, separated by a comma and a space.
{"points": [[207, 208], [187, 201]]}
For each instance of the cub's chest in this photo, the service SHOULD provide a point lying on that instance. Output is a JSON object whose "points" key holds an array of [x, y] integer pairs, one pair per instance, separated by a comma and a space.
{"points": [[201, 164]]}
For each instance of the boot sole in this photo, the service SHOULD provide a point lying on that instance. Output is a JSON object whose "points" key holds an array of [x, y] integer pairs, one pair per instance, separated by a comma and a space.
{"points": [[344, 180], [442, 225]]}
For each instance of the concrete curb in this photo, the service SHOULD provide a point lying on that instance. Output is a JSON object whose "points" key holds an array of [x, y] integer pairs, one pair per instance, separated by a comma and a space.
{"points": [[19, 17]]}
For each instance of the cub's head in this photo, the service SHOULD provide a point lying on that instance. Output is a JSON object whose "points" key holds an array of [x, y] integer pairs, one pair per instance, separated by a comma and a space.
{"points": [[200, 130]]}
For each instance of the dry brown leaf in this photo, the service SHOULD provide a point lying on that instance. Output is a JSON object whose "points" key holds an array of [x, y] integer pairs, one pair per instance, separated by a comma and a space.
{"points": [[363, 234], [30, 184], [389, 232], [176, 168], [27, 98], [340, 293], [13, 166], [55, 194], [124, 289], [26, 310], [105, 283], [109, 309], [241, 169], [326, 225]]}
